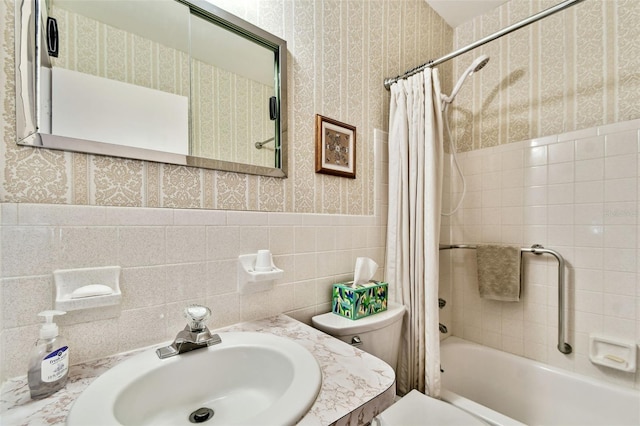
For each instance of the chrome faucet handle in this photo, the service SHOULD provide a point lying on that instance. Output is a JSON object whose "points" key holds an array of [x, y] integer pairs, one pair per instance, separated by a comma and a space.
{"points": [[196, 316]]}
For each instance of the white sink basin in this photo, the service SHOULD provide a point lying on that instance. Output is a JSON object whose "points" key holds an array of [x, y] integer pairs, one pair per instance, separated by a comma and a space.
{"points": [[248, 379]]}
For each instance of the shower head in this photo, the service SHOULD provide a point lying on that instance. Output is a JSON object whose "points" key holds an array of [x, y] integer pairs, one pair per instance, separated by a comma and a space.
{"points": [[475, 66], [479, 63]]}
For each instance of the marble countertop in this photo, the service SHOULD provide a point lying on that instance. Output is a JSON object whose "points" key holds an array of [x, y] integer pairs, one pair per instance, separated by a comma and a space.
{"points": [[355, 385]]}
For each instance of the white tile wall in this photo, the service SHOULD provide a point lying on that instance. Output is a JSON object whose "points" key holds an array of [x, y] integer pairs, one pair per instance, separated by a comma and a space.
{"points": [[172, 257], [576, 193]]}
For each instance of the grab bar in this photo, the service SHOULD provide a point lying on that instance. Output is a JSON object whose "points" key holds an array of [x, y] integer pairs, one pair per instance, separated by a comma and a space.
{"points": [[537, 249], [259, 145]]}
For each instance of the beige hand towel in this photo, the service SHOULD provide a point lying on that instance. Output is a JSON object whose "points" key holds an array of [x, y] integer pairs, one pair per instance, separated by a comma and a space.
{"points": [[499, 272]]}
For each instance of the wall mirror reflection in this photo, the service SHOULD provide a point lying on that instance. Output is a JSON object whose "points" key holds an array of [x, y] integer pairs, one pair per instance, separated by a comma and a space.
{"points": [[170, 81]]}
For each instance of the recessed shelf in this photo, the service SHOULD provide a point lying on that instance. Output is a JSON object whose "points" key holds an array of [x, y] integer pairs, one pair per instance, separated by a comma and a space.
{"points": [[87, 288], [612, 352]]}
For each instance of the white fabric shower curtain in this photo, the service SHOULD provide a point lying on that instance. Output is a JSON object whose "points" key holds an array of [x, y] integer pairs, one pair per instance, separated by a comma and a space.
{"points": [[413, 227]]}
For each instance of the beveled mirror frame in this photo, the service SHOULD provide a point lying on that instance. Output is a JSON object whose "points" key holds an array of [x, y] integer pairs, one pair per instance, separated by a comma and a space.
{"points": [[31, 54]]}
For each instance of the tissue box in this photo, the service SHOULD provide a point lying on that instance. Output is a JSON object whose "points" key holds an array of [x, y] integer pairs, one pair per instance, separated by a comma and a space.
{"points": [[355, 303]]}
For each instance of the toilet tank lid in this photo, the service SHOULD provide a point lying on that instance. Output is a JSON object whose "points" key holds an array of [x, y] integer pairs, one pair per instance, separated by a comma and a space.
{"points": [[336, 325]]}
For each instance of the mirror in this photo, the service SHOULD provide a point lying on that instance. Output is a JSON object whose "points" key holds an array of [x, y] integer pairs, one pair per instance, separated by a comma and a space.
{"points": [[169, 81]]}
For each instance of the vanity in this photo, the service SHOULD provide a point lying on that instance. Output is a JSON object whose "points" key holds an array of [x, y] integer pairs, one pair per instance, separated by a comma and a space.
{"points": [[356, 386]]}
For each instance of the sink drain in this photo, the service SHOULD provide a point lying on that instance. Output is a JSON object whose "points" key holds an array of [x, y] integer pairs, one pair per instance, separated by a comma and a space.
{"points": [[201, 415]]}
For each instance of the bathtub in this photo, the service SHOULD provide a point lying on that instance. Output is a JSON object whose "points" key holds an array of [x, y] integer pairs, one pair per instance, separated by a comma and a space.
{"points": [[505, 389]]}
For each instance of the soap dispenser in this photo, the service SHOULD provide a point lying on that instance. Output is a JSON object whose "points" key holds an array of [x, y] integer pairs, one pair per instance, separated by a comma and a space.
{"points": [[49, 359]]}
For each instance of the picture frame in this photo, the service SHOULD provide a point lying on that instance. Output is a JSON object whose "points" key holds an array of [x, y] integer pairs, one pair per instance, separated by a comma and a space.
{"points": [[335, 147]]}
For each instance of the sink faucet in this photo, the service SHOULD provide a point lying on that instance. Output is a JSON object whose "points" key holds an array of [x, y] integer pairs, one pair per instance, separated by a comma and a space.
{"points": [[195, 335]]}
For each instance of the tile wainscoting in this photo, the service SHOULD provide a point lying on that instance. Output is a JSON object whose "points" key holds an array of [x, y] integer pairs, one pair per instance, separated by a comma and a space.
{"points": [[576, 193]]}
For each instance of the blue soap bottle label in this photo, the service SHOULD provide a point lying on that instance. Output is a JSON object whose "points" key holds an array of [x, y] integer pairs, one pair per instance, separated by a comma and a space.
{"points": [[55, 365]]}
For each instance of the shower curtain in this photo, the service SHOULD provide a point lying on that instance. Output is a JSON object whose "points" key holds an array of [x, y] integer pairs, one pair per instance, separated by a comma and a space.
{"points": [[413, 227]]}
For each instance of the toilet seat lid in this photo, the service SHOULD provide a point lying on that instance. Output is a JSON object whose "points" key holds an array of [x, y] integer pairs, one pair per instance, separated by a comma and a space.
{"points": [[417, 409]]}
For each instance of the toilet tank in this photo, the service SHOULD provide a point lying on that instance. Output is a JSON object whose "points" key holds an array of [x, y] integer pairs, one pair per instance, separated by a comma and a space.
{"points": [[377, 334]]}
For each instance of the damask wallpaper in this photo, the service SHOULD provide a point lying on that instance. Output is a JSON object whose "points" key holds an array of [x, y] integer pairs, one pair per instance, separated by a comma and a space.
{"points": [[224, 103], [231, 108], [574, 70], [92, 47], [339, 54]]}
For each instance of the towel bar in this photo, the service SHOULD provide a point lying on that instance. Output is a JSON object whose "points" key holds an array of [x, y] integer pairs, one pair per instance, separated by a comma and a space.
{"points": [[537, 249]]}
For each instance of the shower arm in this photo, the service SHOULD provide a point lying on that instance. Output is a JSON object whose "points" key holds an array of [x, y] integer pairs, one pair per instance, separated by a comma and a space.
{"points": [[537, 249], [533, 18]]}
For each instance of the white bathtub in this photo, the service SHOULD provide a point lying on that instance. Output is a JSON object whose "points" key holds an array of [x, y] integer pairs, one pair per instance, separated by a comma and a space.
{"points": [[500, 387]]}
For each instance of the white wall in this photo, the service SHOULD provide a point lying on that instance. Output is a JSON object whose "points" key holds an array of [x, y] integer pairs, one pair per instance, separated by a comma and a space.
{"points": [[576, 193], [170, 258]]}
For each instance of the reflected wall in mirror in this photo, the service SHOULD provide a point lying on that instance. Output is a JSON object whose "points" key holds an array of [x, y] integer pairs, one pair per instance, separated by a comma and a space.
{"points": [[122, 73], [230, 105], [169, 81]]}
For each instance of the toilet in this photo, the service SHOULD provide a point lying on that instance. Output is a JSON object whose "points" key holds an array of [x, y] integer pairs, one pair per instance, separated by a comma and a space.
{"points": [[418, 409], [380, 335], [377, 334]]}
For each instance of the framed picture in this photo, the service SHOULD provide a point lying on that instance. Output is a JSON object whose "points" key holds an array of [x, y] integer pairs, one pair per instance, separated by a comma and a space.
{"points": [[335, 147]]}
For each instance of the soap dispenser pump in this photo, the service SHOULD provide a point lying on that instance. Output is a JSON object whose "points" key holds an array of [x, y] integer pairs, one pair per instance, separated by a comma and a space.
{"points": [[49, 360]]}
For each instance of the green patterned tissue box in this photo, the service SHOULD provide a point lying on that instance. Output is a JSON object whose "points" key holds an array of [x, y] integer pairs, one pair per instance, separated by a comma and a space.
{"points": [[355, 303]]}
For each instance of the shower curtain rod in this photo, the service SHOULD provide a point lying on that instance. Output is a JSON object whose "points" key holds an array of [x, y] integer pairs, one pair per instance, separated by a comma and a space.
{"points": [[533, 18]]}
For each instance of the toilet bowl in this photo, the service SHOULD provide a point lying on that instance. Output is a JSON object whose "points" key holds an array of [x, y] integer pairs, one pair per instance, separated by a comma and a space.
{"points": [[377, 334], [417, 409]]}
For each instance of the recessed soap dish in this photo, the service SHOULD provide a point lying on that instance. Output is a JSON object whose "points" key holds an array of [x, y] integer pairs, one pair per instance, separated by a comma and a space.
{"points": [[87, 288], [91, 290], [612, 352]]}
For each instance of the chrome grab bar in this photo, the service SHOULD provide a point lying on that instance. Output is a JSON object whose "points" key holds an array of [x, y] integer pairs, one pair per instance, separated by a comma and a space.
{"points": [[259, 145], [537, 249]]}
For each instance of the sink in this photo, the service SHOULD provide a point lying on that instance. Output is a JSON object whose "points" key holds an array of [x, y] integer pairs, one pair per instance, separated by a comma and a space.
{"points": [[248, 379]]}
